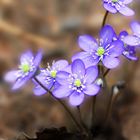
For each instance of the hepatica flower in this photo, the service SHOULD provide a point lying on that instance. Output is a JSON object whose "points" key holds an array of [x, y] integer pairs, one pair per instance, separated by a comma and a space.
{"points": [[77, 83], [26, 70], [134, 39], [105, 50], [129, 51], [48, 76], [120, 6]]}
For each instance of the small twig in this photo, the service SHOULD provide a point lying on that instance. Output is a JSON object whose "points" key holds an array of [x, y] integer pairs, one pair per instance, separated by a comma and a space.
{"points": [[65, 107]]}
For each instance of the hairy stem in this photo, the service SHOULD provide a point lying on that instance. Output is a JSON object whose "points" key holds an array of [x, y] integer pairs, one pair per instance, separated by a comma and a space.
{"points": [[65, 107], [105, 18], [81, 121], [93, 108], [112, 99], [106, 72]]}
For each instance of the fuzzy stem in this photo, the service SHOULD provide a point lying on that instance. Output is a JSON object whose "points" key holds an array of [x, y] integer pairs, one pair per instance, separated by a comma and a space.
{"points": [[112, 99], [105, 18], [106, 72], [93, 108], [109, 108], [81, 121], [65, 107]]}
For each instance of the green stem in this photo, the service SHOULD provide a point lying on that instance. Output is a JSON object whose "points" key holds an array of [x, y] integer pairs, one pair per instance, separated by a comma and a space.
{"points": [[65, 107]]}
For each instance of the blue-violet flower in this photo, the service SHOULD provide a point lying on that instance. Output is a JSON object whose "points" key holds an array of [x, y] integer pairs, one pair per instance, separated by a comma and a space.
{"points": [[105, 50], [48, 77], [77, 83], [27, 69], [115, 6]]}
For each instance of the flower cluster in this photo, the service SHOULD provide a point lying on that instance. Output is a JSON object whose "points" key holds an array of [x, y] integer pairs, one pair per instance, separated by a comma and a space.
{"points": [[79, 78]]}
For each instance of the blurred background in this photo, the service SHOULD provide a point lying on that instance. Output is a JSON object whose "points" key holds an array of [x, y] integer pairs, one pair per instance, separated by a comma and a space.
{"points": [[54, 26]]}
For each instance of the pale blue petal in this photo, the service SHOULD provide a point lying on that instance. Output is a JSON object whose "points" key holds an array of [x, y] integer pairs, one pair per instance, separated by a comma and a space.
{"points": [[62, 77], [27, 56], [131, 40], [62, 91], [110, 8], [88, 59], [126, 11], [135, 27], [38, 90], [106, 35], [116, 48], [76, 98], [127, 1], [60, 64], [92, 89], [38, 58], [20, 82], [87, 43], [11, 76], [91, 74], [110, 62], [78, 67]]}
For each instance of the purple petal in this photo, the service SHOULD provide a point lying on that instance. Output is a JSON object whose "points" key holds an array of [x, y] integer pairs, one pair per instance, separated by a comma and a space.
{"points": [[76, 98], [38, 58], [106, 35], [87, 43], [126, 11], [122, 35], [78, 67], [81, 55], [92, 89], [62, 91], [59, 65], [62, 77], [110, 8], [131, 40], [130, 53], [20, 82], [11, 76], [27, 56], [87, 58], [135, 27], [68, 69], [129, 56], [38, 90], [116, 48], [127, 1], [110, 62], [91, 74]]}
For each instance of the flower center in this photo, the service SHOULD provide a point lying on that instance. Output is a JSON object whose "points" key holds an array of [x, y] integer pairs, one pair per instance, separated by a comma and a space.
{"points": [[77, 83], [25, 67], [100, 51], [115, 1], [53, 73]]}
